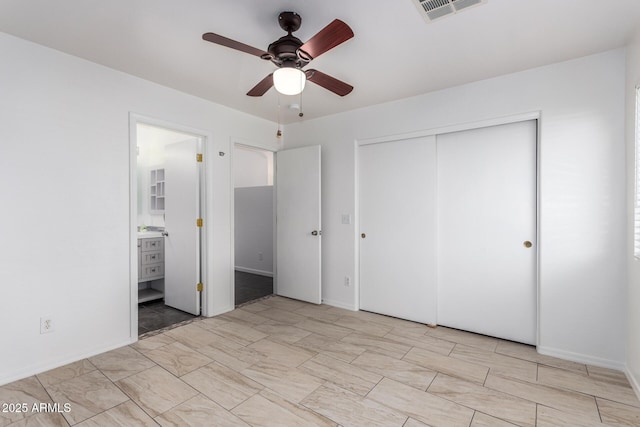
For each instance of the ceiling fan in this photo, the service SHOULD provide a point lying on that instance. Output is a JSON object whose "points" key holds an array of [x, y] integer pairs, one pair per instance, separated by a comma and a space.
{"points": [[290, 55]]}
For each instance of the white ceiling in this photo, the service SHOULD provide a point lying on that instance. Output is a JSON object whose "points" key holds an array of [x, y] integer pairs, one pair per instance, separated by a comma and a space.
{"points": [[394, 54]]}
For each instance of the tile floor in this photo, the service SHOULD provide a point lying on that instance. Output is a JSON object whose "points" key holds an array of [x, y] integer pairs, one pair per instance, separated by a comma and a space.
{"points": [[154, 315], [280, 362]]}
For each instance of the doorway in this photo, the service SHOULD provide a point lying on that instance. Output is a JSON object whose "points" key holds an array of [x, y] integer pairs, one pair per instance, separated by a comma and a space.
{"points": [[253, 223], [167, 225]]}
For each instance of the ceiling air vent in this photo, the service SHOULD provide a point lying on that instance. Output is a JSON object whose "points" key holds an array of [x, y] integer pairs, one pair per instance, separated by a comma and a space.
{"points": [[436, 9]]}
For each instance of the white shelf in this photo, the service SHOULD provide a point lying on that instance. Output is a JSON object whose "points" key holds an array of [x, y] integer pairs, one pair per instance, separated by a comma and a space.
{"points": [[156, 191], [149, 294]]}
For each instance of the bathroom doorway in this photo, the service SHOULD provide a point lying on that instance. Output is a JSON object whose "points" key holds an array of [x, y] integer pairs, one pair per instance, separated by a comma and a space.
{"points": [[253, 223], [168, 215]]}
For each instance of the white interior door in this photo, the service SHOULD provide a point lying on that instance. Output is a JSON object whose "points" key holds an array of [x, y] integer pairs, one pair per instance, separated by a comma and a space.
{"points": [[486, 214], [298, 230], [182, 209], [397, 223]]}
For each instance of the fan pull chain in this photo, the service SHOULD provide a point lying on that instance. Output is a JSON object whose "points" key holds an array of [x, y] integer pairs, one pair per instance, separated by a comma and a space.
{"points": [[279, 132]]}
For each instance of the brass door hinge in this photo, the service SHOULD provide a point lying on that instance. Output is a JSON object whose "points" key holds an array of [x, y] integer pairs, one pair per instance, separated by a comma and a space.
{"points": [[199, 222], [199, 157], [199, 287]]}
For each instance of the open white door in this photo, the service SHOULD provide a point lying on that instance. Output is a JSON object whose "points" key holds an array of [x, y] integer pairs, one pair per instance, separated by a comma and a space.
{"points": [[298, 232], [182, 209]]}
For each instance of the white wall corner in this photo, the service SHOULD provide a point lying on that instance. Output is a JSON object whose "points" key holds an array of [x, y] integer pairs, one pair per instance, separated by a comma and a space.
{"points": [[582, 358]]}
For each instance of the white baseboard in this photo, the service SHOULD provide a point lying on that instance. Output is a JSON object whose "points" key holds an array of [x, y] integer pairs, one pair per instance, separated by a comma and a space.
{"points": [[635, 382], [254, 271], [582, 358], [216, 311], [52, 364], [339, 304]]}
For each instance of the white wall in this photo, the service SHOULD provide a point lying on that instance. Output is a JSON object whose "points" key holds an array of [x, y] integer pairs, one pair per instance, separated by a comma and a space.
{"points": [[64, 189], [633, 323], [582, 197], [252, 167], [253, 225]]}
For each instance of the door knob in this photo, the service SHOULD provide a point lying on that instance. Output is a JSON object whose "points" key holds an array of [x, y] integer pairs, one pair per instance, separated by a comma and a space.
{"points": [[363, 235], [165, 234], [527, 244]]}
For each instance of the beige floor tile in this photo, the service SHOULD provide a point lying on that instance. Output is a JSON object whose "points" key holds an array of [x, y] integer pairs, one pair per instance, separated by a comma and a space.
{"points": [[124, 415], [560, 399], [178, 359], [363, 326], [342, 374], [484, 420], [290, 383], [448, 365], [283, 303], [396, 369], [88, 395], [497, 404], [608, 375], [414, 423], [269, 409], [426, 342], [422, 406], [121, 363], [156, 390], [282, 316], [232, 355], [239, 333], [255, 307], [148, 344], [529, 352], [211, 323], [348, 409], [330, 346], [322, 328], [583, 384], [199, 411], [66, 372], [392, 322], [281, 353], [618, 414], [462, 337], [27, 391], [318, 312], [377, 345], [244, 316], [224, 386], [282, 332], [42, 419], [497, 363], [194, 336], [549, 417]]}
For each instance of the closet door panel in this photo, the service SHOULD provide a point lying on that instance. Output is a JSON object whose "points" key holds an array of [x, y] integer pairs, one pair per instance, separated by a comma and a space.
{"points": [[397, 228], [487, 231]]}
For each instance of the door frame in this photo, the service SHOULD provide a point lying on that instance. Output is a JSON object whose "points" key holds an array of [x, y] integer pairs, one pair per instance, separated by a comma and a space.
{"points": [[232, 181], [533, 115], [205, 137]]}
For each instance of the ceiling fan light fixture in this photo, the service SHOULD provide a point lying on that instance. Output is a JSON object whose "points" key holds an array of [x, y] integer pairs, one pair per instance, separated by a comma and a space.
{"points": [[289, 81]]}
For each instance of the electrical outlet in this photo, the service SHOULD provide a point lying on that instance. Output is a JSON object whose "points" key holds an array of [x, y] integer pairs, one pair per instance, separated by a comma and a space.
{"points": [[347, 280], [46, 325]]}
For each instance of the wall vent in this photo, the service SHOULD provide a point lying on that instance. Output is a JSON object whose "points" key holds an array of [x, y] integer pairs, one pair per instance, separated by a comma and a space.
{"points": [[432, 10]]}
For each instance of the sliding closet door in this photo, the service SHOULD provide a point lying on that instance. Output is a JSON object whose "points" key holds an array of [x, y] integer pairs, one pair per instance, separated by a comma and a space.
{"points": [[397, 226], [487, 231]]}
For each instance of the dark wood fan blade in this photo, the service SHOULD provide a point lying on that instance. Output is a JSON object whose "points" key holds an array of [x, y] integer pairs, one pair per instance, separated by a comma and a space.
{"points": [[262, 87], [332, 35], [223, 41], [330, 83]]}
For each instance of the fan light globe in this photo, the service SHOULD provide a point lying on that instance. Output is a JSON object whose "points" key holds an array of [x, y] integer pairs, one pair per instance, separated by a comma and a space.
{"points": [[289, 81]]}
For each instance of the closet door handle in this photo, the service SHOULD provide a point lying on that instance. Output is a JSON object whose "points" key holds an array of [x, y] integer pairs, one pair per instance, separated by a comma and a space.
{"points": [[364, 236], [316, 233], [527, 244]]}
